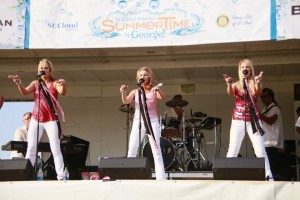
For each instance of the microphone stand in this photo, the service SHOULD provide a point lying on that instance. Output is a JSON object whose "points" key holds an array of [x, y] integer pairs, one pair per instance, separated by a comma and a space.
{"points": [[145, 114], [140, 116], [51, 106], [127, 126], [38, 123], [252, 112], [140, 125], [253, 116], [245, 122]]}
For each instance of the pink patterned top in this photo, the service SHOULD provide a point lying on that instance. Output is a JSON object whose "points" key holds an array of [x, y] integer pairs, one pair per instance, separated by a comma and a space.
{"points": [[239, 108], [151, 100], [46, 114]]}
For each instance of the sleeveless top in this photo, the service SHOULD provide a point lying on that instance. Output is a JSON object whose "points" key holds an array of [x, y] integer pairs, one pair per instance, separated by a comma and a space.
{"points": [[239, 107], [151, 100], [46, 113]]}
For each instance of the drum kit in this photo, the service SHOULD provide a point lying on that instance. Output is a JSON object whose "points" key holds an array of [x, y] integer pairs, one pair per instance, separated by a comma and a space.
{"points": [[181, 140]]}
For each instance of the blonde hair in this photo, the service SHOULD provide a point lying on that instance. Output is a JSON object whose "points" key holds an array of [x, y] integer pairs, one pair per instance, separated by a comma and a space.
{"points": [[47, 62], [150, 74], [249, 63], [241, 75]]}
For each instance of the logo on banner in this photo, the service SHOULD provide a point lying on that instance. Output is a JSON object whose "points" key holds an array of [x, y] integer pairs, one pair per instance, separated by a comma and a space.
{"points": [[296, 10], [12, 24], [223, 20], [5, 23], [66, 24], [146, 23]]}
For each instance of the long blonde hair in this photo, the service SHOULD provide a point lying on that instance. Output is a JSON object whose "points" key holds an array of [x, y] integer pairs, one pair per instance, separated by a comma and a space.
{"points": [[249, 63], [150, 74], [47, 62], [252, 75]]}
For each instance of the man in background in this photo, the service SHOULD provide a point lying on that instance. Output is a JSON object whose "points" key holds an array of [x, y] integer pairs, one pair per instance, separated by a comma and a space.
{"points": [[21, 135], [273, 138]]}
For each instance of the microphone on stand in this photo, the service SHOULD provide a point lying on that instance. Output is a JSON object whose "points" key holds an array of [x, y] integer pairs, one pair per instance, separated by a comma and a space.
{"points": [[140, 82], [245, 72], [40, 74], [244, 83]]}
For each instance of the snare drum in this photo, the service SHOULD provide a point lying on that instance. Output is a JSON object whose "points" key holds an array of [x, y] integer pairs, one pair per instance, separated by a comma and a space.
{"points": [[167, 149]]}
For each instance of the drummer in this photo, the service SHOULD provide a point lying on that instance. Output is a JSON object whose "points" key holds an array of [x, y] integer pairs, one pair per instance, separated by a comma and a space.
{"points": [[173, 117], [175, 105]]}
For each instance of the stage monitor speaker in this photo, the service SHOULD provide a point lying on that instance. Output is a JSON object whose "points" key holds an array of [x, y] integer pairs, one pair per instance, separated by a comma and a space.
{"points": [[16, 170], [74, 151], [239, 169], [124, 168]]}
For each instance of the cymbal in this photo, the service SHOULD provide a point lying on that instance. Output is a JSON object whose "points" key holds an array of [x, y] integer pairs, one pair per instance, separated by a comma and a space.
{"points": [[130, 110], [193, 120]]}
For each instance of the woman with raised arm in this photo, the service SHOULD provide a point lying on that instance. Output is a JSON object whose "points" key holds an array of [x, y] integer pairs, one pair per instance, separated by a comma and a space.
{"points": [[153, 93], [42, 114], [241, 112]]}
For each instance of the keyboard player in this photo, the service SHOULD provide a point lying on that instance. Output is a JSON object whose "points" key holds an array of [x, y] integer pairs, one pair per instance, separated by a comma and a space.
{"points": [[21, 135]]}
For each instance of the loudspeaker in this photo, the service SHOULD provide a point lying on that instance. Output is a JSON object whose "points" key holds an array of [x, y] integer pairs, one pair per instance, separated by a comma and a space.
{"points": [[74, 152], [239, 169], [124, 168], [16, 170]]}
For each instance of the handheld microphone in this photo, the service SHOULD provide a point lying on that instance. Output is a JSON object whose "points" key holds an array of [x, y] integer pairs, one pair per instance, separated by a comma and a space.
{"points": [[140, 82], [245, 72], [40, 74]]}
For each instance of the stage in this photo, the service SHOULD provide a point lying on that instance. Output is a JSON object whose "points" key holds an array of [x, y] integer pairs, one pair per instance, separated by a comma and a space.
{"points": [[192, 175], [149, 189], [181, 185]]}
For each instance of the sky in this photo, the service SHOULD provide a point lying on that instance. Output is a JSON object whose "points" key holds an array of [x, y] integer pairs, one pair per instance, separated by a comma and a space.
{"points": [[11, 115]]}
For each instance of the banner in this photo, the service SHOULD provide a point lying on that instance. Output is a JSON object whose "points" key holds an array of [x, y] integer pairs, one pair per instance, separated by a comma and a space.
{"points": [[287, 19], [12, 24], [136, 23]]}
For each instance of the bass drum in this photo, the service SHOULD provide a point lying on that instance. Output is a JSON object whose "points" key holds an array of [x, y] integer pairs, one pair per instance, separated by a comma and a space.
{"points": [[167, 149]]}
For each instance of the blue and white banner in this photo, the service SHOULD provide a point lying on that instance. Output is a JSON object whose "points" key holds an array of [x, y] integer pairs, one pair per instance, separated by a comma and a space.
{"points": [[135, 23], [12, 24], [288, 19]]}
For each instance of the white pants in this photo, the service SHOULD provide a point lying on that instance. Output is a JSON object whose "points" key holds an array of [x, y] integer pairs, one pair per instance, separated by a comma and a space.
{"points": [[157, 155], [237, 134], [52, 132]]}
